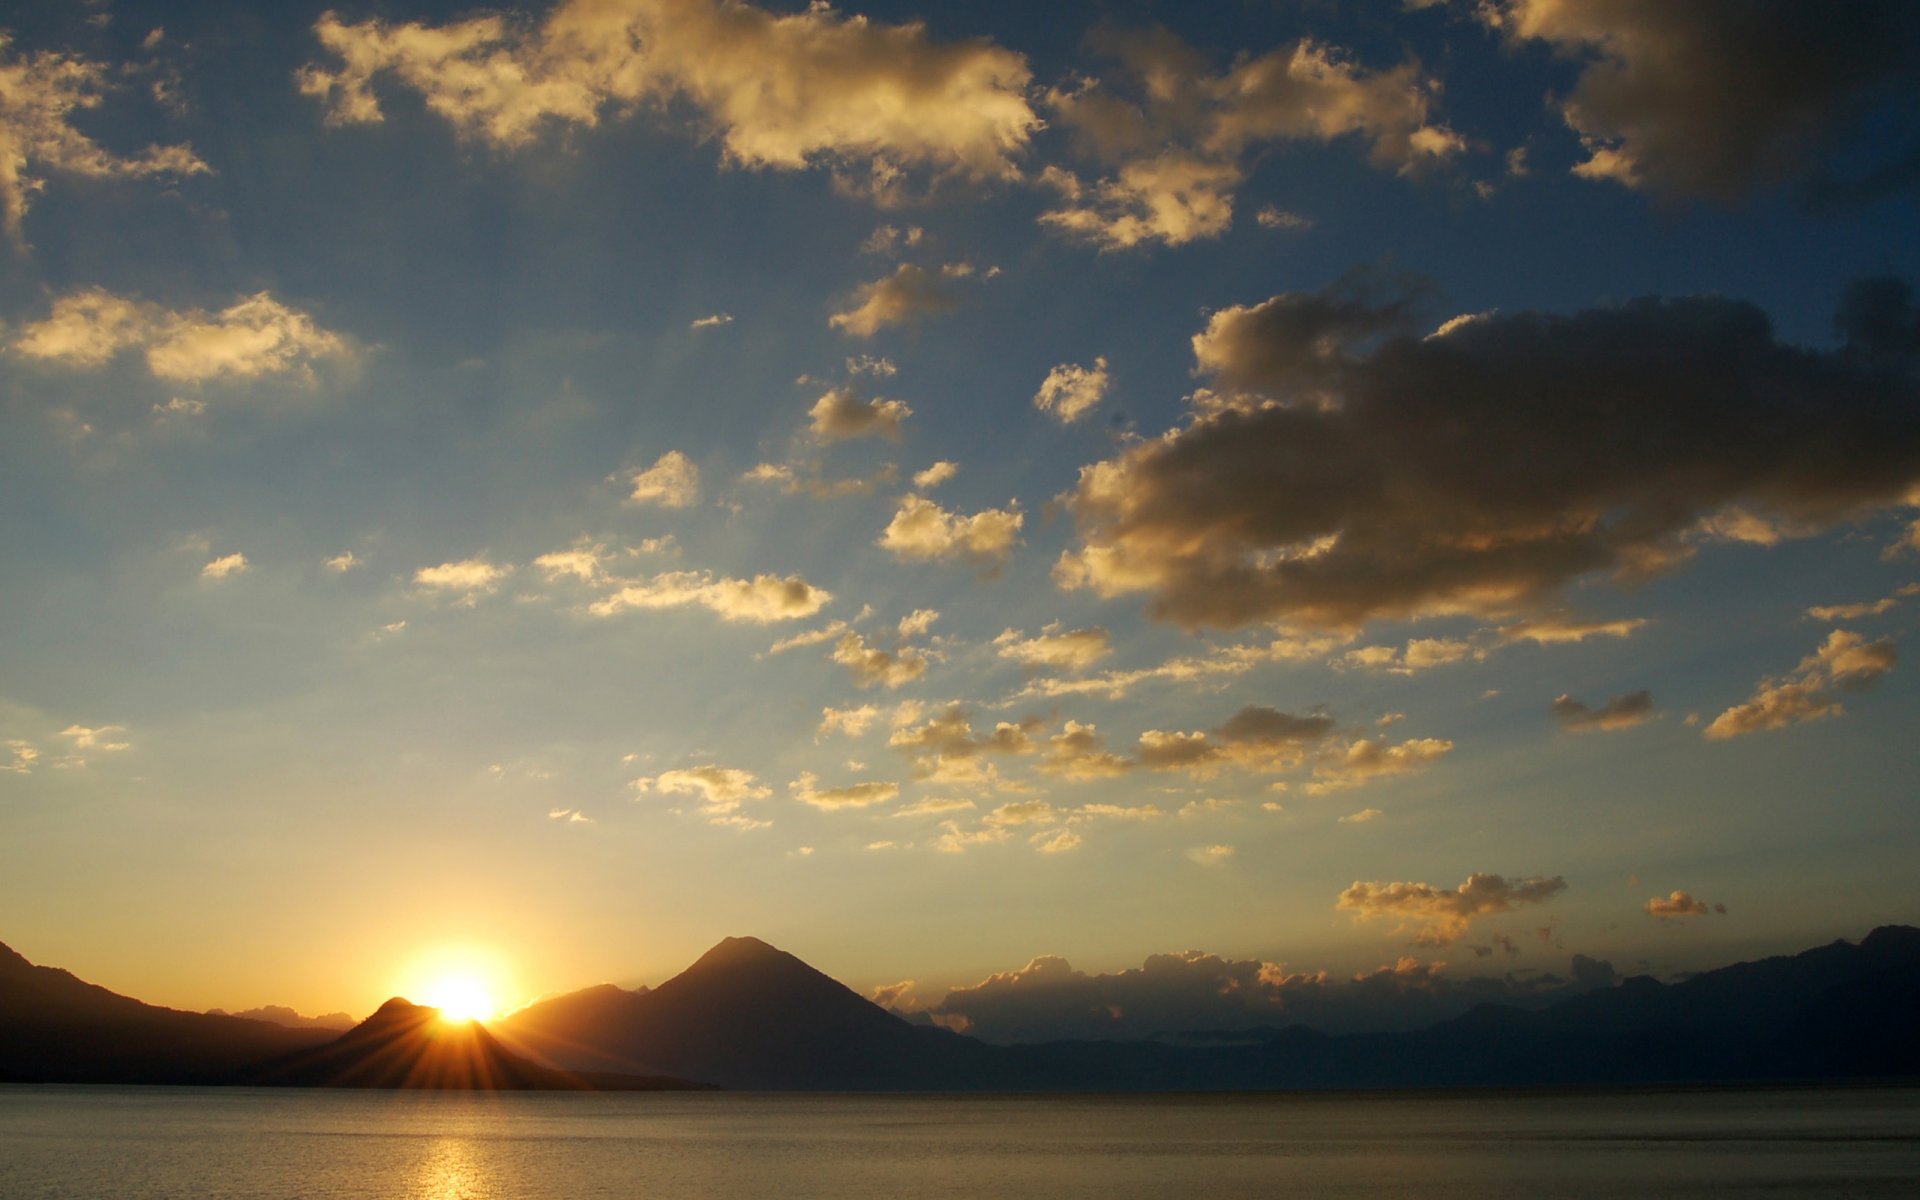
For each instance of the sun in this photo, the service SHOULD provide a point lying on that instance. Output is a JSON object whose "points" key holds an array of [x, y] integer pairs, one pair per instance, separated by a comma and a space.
{"points": [[461, 998]]}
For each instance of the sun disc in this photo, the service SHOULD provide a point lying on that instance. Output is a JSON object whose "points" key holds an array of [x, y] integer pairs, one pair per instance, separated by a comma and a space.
{"points": [[462, 999]]}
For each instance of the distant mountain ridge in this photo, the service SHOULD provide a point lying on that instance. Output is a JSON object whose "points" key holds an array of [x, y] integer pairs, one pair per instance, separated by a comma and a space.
{"points": [[747, 1015]]}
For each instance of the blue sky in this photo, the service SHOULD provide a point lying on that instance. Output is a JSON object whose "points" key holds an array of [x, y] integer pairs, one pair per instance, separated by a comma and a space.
{"points": [[939, 486]]}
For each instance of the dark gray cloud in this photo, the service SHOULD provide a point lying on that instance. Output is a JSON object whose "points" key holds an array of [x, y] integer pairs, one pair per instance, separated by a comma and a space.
{"points": [[1194, 991], [1341, 474], [1621, 712], [1703, 97]]}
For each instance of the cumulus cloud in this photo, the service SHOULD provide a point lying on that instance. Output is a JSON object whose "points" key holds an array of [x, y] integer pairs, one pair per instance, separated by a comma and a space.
{"points": [[1219, 662], [1256, 738], [1417, 655], [1055, 648], [225, 567], [95, 737], [1844, 661], [1621, 712], [851, 721], [949, 736], [761, 600], [870, 665], [39, 97], [1699, 98], [1079, 752], [1557, 628], [1179, 137], [783, 90], [1440, 916], [721, 791], [1349, 470], [253, 337], [935, 475], [712, 322], [806, 789], [673, 481], [908, 294], [1070, 391], [1365, 760], [1365, 816], [468, 579], [841, 414], [1210, 856], [922, 530], [1680, 905]]}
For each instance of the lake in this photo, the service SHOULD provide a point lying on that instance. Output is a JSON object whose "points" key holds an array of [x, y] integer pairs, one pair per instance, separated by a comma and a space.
{"points": [[231, 1143]]}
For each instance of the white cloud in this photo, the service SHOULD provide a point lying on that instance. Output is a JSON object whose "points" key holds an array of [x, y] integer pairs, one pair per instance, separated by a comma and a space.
{"points": [[471, 577], [911, 292], [806, 789], [760, 600], [785, 90], [225, 567], [344, 561], [1440, 916], [712, 322], [1210, 856], [851, 721], [922, 530], [671, 482], [1845, 661], [870, 665], [39, 95], [935, 475], [841, 414], [1363, 761], [253, 337], [1070, 391]]}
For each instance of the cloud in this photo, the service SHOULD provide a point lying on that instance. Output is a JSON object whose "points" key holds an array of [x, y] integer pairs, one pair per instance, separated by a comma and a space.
{"points": [[21, 756], [1180, 138], [1061, 649], [870, 665], [671, 482], [1347, 470], [1852, 612], [935, 475], [1079, 752], [97, 737], [1055, 841], [1440, 916], [1419, 654], [922, 530], [1363, 761], [1621, 712], [1270, 217], [253, 337], [1256, 738], [722, 792], [911, 292], [1845, 660], [942, 740], [841, 414], [1070, 392], [345, 561], [917, 622], [857, 795], [1191, 991], [1210, 856], [1706, 99], [1681, 905], [1557, 628], [39, 95], [1221, 661], [225, 567], [1365, 816], [472, 578], [851, 721], [932, 807], [782, 90], [804, 478], [761, 600], [712, 322]]}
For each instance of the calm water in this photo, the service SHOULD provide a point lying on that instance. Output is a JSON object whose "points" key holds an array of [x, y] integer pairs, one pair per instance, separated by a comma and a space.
{"points": [[138, 1143]]}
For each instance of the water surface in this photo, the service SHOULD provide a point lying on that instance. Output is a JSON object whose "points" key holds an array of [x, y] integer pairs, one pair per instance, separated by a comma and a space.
{"points": [[229, 1144]]}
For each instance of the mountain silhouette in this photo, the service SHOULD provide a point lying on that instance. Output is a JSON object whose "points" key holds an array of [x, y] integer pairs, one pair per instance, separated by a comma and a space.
{"points": [[56, 1028], [405, 1045], [747, 1015]]}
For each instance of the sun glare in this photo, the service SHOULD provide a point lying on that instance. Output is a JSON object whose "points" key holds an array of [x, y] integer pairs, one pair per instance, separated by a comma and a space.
{"points": [[461, 999]]}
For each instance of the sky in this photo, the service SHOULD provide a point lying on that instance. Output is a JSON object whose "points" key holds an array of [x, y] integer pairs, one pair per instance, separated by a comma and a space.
{"points": [[983, 496]]}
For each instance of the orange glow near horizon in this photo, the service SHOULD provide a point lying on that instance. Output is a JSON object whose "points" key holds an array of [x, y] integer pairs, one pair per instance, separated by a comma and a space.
{"points": [[466, 983]]}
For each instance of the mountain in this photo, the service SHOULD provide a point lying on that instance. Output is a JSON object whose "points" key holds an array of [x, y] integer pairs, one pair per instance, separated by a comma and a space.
{"points": [[407, 1045], [280, 1014], [55, 1028], [747, 1015]]}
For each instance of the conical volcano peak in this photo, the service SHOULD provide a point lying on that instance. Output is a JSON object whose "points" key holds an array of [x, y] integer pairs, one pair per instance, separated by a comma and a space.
{"points": [[741, 951]]}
